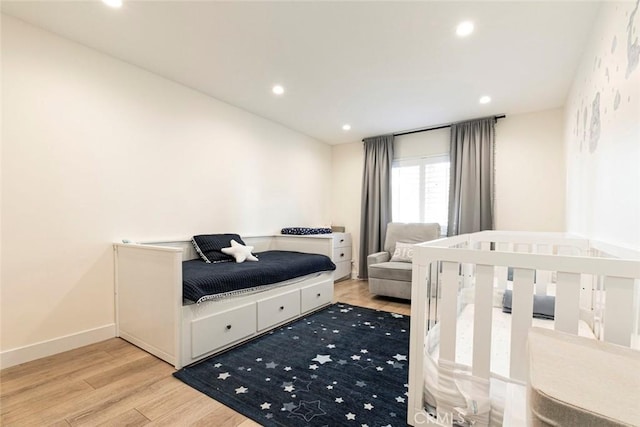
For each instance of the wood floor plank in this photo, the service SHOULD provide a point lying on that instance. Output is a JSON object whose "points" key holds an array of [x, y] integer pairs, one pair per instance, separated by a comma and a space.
{"points": [[127, 386], [48, 395], [31, 390], [162, 404], [221, 417], [119, 372], [100, 411], [131, 418], [105, 396], [248, 423], [50, 370], [189, 413]]}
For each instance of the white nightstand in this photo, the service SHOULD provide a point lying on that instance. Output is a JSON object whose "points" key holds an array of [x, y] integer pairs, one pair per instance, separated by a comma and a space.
{"points": [[336, 246]]}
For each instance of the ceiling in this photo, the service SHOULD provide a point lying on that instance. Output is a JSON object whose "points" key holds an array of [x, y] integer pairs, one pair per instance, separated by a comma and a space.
{"points": [[382, 67]]}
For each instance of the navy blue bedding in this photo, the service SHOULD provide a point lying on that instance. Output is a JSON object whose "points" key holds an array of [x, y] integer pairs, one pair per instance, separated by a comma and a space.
{"points": [[202, 281]]}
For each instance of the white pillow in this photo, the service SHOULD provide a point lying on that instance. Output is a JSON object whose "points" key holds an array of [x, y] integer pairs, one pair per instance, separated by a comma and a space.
{"points": [[240, 252], [403, 252]]}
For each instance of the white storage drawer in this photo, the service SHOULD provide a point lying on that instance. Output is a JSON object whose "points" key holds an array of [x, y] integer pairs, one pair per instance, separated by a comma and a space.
{"points": [[221, 329], [277, 309], [315, 296]]}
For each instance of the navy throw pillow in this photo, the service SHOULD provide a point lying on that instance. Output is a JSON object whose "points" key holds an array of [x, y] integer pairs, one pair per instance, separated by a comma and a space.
{"points": [[209, 246]]}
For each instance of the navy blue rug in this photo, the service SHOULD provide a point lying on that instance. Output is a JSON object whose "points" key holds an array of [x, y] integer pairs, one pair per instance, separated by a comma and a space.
{"points": [[343, 365]]}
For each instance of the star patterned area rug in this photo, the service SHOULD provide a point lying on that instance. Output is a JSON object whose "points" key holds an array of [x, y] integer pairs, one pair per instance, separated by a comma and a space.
{"points": [[341, 366]]}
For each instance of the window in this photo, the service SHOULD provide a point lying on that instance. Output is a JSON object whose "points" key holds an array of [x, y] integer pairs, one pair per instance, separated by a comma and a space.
{"points": [[420, 190]]}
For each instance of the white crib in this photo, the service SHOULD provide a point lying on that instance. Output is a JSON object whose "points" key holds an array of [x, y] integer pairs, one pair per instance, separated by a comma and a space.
{"points": [[460, 279]]}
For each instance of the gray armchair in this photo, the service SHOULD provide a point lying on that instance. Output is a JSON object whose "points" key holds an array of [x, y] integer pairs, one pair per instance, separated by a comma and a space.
{"points": [[393, 278]]}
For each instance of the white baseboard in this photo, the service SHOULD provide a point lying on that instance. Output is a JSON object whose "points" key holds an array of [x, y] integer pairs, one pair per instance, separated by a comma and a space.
{"points": [[19, 355]]}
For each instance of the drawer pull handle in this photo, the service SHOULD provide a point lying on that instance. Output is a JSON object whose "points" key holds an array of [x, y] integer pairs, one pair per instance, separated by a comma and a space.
{"points": [[281, 307], [341, 240], [341, 255], [228, 327], [318, 295]]}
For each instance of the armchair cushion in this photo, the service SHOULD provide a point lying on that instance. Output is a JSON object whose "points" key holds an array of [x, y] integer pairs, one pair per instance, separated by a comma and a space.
{"points": [[391, 271], [377, 258]]}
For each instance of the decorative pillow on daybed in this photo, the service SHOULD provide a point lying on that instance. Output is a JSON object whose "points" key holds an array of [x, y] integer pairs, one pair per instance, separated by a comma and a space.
{"points": [[241, 253], [209, 246], [304, 231], [403, 253]]}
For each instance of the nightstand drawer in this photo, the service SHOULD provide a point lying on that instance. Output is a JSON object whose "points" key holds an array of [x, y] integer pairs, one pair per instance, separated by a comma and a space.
{"points": [[341, 254], [341, 240]]}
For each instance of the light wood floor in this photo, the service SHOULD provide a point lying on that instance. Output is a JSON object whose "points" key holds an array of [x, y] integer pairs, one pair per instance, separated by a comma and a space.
{"points": [[113, 383]]}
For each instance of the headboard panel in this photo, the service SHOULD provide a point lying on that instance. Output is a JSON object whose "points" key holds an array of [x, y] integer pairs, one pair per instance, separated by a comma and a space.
{"points": [[259, 243]]}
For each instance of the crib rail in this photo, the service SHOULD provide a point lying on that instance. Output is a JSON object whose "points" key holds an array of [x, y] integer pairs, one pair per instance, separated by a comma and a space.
{"points": [[479, 262]]}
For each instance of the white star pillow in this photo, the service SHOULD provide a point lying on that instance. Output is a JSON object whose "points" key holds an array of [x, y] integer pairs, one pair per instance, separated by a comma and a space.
{"points": [[239, 252]]}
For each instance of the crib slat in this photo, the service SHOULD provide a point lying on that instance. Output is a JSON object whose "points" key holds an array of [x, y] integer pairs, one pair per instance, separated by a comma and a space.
{"points": [[448, 311], [618, 310], [501, 271], [521, 314], [419, 316], [567, 310], [482, 321], [543, 277]]}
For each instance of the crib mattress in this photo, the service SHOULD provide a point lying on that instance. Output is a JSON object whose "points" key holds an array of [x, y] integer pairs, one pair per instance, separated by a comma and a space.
{"points": [[500, 337], [582, 382]]}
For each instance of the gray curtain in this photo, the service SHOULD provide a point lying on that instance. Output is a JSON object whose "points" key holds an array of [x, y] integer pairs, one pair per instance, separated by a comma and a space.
{"points": [[375, 210], [472, 173]]}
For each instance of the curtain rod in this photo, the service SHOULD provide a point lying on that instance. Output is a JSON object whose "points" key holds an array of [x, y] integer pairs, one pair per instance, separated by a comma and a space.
{"points": [[408, 132]]}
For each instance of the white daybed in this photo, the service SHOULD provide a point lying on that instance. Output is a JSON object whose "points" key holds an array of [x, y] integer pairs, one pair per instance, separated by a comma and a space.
{"points": [[469, 361], [151, 313]]}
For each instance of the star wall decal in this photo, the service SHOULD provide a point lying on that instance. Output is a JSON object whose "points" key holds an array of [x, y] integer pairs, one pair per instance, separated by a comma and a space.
{"points": [[399, 357], [271, 365], [265, 406], [224, 376], [368, 406], [350, 416], [242, 390]]}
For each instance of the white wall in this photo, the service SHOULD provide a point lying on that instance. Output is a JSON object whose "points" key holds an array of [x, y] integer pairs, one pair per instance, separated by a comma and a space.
{"points": [[422, 144], [602, 131], [95, 150], [346, 189], [530, 175]]}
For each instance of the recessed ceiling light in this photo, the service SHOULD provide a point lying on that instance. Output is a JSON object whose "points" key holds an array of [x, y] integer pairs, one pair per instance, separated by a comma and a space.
{"points": [[113, 3], [346, 127], [464, 28], [485, 99], [278, 90]]}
